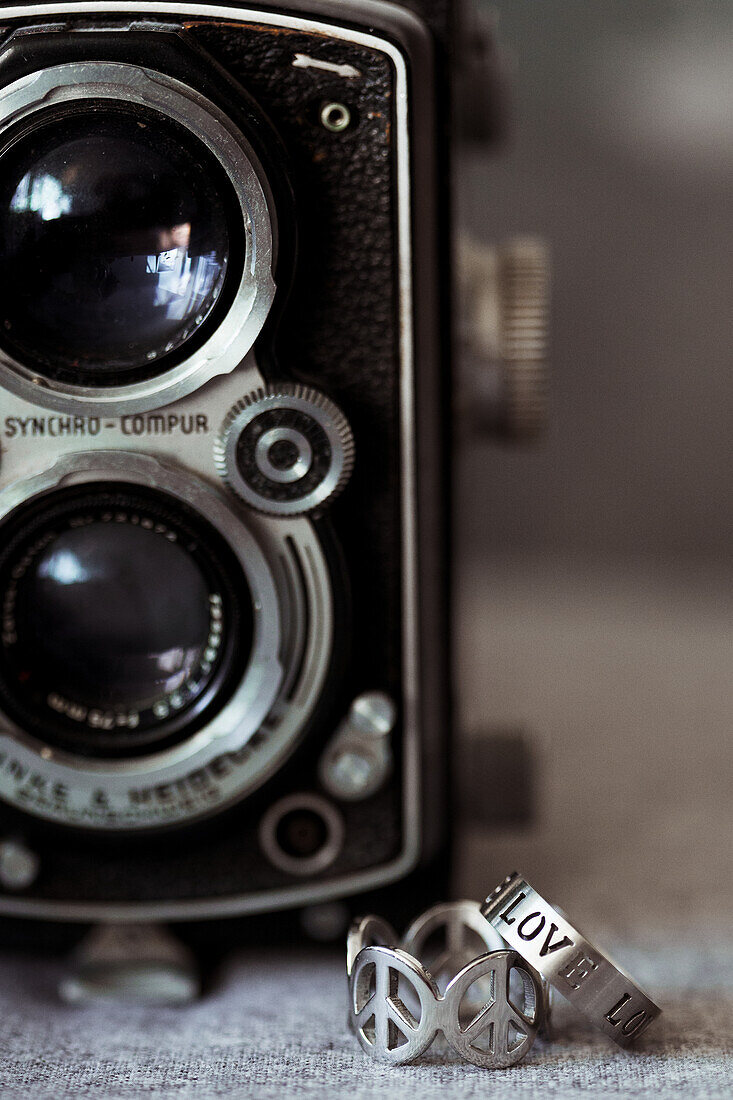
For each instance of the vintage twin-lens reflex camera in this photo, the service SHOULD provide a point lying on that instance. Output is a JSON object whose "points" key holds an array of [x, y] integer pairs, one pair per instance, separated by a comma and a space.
{"points": [[225, 398]]}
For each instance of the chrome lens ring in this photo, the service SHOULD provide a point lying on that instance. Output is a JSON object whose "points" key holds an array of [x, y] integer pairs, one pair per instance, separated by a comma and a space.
{"points": [[73, 83], [231, 729]]}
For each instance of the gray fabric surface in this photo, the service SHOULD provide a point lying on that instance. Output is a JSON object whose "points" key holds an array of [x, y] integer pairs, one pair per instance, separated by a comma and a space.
{"points": [[275, 1026]]}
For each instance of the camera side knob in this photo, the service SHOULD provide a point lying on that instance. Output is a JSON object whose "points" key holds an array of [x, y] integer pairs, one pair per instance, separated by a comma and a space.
{"points": [[504, 318], [286, 450]]}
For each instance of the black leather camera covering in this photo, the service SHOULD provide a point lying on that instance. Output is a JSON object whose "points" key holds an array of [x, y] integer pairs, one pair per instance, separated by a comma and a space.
{"points": [[337, 328]]}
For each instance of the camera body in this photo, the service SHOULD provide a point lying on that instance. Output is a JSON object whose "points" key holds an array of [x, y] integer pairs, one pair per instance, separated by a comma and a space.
{"points": [[225, 395]]}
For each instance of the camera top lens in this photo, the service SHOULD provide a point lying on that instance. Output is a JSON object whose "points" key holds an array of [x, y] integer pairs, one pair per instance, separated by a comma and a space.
{"points": [[126, 620], [118, 233]]}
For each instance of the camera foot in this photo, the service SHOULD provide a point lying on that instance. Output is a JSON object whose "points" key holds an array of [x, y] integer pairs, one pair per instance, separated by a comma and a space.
{"points": [[131, 963]]}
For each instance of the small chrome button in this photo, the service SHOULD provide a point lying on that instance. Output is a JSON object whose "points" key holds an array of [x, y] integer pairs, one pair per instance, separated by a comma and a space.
{"points": [[19, 866], [358, 759]]}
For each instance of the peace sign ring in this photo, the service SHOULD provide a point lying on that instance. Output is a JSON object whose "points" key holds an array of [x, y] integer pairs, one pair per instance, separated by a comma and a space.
{"points": [[463, 928], [506, 1030], [384, 1025], [396, 1008]]}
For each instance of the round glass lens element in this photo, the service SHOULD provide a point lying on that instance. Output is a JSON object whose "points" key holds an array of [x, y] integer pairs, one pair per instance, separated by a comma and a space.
{"points": [[125, 620], [117, 228], [118, 615]]}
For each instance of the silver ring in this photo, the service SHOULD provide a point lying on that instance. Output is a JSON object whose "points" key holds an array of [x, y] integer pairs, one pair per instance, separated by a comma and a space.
{"points": [[463, 928], [229, 343], [462, 923], [574, 967], [396, 1008]]}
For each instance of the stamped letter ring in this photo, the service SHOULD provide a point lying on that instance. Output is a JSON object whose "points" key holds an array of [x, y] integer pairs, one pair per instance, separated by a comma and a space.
{"points": [[574, 967]]}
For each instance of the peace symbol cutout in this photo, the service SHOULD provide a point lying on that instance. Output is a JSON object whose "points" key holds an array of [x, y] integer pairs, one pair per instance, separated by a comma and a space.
{"points": [[462, 925], [384, 1025], [501, 1032]]}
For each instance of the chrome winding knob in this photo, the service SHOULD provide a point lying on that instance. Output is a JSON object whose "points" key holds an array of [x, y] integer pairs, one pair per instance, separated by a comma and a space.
{"points": [[285, 450], [504, 329]]}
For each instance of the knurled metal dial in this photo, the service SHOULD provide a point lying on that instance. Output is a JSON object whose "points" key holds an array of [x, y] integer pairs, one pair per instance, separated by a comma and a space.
{"points": [[285, 449], [505, 300], [524, 269]]}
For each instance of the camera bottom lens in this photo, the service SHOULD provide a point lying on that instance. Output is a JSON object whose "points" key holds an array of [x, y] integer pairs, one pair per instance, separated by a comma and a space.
{"points": [[126, 619]]}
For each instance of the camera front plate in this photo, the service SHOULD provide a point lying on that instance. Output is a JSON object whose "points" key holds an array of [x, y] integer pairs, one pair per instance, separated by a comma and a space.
{"points": [[363, 354]]}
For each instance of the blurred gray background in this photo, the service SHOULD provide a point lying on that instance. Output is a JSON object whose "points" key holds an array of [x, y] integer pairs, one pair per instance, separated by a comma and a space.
{"points": [[594, 601]]}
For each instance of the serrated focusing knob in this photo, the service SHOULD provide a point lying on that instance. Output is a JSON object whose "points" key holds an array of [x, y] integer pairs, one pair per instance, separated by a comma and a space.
{"points": [[505, 310], [286, 450]]}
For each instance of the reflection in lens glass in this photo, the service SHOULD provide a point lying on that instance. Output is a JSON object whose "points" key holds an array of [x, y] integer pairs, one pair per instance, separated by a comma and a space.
{"points": [[117, 615], [115, 241], [125, 619]]}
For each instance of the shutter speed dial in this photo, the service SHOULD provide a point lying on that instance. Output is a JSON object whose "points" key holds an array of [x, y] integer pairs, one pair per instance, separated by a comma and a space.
{"points": [[285, 450]]}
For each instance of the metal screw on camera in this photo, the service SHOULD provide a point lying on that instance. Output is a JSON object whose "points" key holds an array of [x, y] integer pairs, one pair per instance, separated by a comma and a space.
{"points": [[335, 117], [19, 866], [358, 759]]}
